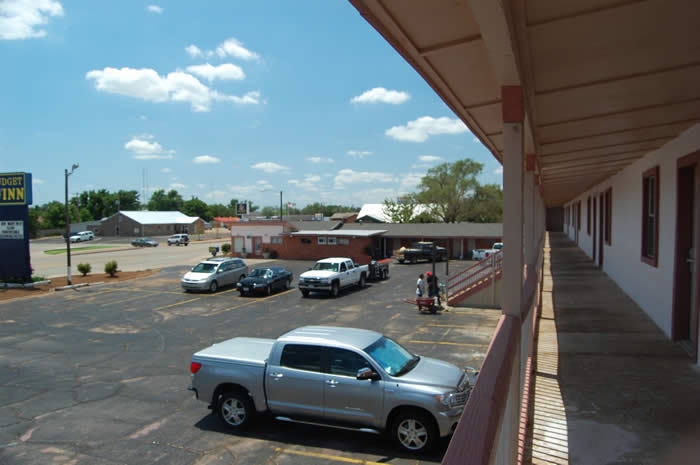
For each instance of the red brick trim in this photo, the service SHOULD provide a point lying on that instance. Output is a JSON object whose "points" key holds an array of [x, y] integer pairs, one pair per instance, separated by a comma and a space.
{"points": [[530, 161], [512, 104]]}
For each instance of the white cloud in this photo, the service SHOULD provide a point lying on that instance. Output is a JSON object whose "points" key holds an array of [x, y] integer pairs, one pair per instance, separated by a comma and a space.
{"points": [[269, 167], [348, 176], [421, 129], [250, 98], [309, 183], [178, 86], [234, 48], [498, 170], [165, 170], [37, 180], [177, 185], [319, 160], [205, 159], [359, 153], [22, 19], [154, 9], [429, 158], [143, 117], [193, 51], [225, 71], [144, 149], [381, 95], [409, 181]]}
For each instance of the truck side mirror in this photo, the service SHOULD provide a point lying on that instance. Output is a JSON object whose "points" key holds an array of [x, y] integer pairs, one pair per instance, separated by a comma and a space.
{"points": [[367, 373]]}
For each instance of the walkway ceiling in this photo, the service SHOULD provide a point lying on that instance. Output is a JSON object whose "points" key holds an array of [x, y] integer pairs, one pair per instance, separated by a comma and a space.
{"points": [[604, 81]]}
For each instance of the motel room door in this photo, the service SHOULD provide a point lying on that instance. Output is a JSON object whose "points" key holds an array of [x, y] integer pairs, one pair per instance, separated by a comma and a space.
{"points": [[685, 306]]}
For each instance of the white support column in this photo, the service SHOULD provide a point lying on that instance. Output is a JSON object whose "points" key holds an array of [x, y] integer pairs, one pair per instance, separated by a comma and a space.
{"points": [[512, 199], [512, 288]]}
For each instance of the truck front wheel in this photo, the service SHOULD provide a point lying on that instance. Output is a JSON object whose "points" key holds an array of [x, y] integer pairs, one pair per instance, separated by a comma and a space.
{"points": [[414, 431], [362, 281], [335, 289], [236, 410]]}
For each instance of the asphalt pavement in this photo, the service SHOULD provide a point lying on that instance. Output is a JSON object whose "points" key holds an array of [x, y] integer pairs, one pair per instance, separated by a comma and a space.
{"points": [[99, 375]]}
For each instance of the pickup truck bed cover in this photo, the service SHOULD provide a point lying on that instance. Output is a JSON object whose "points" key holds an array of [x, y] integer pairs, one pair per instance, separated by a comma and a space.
{"points": [[248, 350]]}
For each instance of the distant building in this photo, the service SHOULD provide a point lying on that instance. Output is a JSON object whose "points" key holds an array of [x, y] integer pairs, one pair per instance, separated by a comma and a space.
{"points": [[347, 217], [147, 223]]}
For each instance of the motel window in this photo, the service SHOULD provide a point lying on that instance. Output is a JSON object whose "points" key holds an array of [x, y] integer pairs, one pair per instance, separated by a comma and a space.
{"points": [[321, 240], [343, 241], [650, 216], [305, 240], [331, 241], [275, 240], [588, 215], [608, 216]]}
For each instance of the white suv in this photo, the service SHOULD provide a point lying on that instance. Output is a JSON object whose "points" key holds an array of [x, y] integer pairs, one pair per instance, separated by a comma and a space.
{"points": [[82, 236], [178, 239]]}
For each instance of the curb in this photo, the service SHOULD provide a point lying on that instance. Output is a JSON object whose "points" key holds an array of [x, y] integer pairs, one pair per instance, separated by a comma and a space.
{"points": [[75, 286], [25, 285]]}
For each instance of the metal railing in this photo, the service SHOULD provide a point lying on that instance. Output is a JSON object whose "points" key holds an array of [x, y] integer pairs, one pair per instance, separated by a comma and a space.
{"points": [[463, 284]]}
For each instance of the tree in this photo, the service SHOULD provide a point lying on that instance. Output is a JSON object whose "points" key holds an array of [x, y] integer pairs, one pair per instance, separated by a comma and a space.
{"points": [[401, 212], [160, 201], [270, 212], [54, 215], [485, 206], [196, 207], [446, 187], [219, 209]]}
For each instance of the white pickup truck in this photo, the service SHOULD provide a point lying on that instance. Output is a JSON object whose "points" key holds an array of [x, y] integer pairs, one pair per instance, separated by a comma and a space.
{"points": [[480, 254], [341, 377], [330, 275]]}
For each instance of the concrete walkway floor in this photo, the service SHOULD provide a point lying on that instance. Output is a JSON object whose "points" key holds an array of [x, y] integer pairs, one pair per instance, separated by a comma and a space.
{"points": [[609, 386]]}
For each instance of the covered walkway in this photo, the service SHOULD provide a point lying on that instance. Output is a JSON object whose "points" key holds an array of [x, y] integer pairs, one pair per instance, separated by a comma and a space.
{"points": [[608, 386]]}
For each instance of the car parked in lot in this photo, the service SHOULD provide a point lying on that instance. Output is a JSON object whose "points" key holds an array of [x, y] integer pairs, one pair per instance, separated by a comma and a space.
{"points": [[144, 242], [349, 378], [211, 274], [179, 239], [265, 280], [82, 236]]}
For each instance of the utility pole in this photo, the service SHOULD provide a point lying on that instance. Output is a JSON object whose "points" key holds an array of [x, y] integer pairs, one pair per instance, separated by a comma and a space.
{"points": [[281, 211], [69, 279]]}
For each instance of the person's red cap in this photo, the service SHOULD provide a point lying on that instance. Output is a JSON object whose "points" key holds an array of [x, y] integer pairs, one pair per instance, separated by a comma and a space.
{"points": [[429, 273]]}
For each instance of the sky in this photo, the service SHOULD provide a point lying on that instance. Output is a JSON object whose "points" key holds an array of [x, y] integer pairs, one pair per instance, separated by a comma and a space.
{"points": [[218, 100]]}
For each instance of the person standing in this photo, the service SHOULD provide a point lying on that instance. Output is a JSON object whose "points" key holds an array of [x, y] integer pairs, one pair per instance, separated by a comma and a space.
{"points": [[434, 288], [420, 286]]}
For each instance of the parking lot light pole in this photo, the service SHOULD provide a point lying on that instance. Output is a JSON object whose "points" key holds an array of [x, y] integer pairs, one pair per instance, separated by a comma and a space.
{"points": [[68, 275]]}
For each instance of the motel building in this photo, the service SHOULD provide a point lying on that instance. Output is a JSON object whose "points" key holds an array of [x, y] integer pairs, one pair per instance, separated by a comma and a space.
{"points": [[593, 109]]}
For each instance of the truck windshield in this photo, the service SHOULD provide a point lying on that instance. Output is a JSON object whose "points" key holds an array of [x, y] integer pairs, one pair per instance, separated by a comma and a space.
{"points": [[326, 266], [395, 359]]}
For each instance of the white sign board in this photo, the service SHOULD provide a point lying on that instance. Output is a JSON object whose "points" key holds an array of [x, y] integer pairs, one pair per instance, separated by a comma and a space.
{"points": [[11, 229]]}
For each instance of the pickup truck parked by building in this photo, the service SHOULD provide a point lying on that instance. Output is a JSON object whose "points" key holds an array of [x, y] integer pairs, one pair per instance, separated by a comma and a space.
{"points": [[421, 251], [480, 254], [330, 275], [340, 377]]}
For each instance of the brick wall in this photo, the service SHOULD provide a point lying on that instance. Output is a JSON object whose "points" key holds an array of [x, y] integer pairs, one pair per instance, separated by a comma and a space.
{"points": [[298, 248]]}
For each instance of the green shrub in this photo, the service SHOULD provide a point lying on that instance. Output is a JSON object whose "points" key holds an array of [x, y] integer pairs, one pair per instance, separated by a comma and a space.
{"points": [[84, 268], [226, 248], [111, 267]]}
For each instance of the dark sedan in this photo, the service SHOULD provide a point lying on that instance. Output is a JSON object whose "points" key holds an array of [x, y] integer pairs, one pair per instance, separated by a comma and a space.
{"points": [[265, 280], [144, 242]]}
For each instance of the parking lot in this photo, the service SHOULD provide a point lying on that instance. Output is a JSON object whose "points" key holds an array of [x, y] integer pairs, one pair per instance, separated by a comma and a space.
{"points": [[99, 375]]}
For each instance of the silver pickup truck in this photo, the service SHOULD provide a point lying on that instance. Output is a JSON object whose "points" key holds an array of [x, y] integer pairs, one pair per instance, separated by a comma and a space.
{"points": [[339, 377]]}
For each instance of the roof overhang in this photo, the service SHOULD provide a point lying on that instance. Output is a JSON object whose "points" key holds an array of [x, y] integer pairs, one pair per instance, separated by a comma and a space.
{"points": [[604, 82]]}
